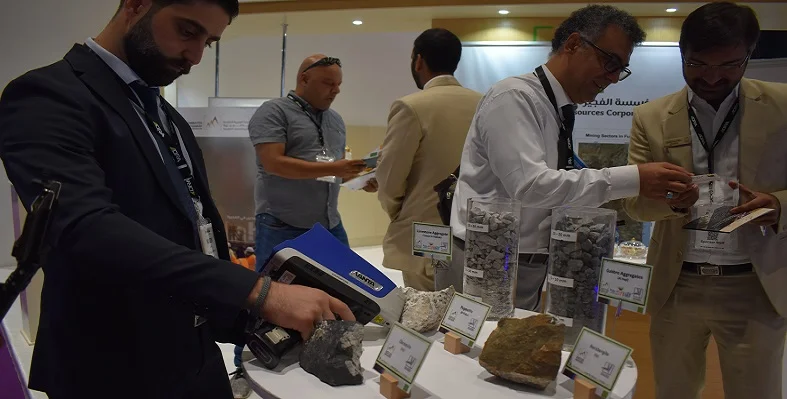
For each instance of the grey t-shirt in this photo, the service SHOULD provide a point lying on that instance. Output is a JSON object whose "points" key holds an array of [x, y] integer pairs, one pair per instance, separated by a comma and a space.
{"points": [[302, 202]]}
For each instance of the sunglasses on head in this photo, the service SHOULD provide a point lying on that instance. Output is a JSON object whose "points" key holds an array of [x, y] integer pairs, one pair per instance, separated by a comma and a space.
{"points": [[327, 61]]}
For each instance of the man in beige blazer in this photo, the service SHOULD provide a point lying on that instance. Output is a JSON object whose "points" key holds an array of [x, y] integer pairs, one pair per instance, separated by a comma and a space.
{"points": [[423, 144], [736, 292]]}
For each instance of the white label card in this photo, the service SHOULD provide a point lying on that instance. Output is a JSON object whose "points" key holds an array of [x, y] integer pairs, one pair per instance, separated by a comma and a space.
{"points": [[465, 316], [598, 359], [564, 236], [560, 281], [432, 241], [474, 272], [625, 282], [478, 227], [712, 240], [402, 354]]}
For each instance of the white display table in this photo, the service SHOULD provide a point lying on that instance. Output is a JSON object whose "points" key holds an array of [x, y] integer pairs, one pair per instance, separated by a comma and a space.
{"points": [[442, 375]]}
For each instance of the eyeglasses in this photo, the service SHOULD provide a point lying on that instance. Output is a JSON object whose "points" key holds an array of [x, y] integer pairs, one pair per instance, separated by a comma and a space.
{"points": [[327, 61], [729, 67], [613, 63]]}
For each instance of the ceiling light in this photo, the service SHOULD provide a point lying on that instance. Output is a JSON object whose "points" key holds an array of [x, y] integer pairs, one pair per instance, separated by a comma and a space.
{"points": [[672, 9], [503, 12], [357, 22]]}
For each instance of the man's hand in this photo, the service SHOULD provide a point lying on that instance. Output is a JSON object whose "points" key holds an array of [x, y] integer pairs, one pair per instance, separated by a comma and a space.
{"points": [[754, 200], [347, 169], [686, 199], [301, 308], [663, 180], [371, 186]]}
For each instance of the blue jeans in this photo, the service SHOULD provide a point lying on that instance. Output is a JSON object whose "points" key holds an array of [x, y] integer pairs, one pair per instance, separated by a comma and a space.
{"points": [[271, 232]]}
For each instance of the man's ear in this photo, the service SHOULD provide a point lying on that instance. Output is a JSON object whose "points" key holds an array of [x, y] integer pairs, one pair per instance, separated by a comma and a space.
{"points": [[573, 43], [134, 10], [419, 63]]}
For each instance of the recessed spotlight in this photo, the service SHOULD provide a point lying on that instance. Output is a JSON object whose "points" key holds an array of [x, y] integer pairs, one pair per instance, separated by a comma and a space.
{"points": [[671, 9], [503, 12], [357, 22]]}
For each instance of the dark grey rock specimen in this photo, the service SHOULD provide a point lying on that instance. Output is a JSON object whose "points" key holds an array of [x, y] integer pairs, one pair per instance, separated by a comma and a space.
{"points": [[333, 353]]}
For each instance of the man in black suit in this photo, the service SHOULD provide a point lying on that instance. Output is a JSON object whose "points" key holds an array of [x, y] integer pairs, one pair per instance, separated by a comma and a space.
{"points": [[135, 292]]}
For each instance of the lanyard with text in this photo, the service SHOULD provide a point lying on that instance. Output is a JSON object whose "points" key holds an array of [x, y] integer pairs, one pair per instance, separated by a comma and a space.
{"points": [[565, 145], [172, 142], [317, 125], [725, 126]]}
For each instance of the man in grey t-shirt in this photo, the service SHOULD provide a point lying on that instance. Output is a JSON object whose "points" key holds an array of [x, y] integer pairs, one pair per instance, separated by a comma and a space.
{"points": [[300, 145]]}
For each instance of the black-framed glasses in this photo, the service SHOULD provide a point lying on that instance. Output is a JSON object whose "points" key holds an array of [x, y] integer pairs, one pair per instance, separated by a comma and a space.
{"points": [[728, 67], [327, 61], [613, 63]]}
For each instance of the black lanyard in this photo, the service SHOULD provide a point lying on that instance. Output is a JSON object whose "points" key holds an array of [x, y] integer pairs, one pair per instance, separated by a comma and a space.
{"points": [[172, 142], [565, 144], [311, 118], [725, 126]]}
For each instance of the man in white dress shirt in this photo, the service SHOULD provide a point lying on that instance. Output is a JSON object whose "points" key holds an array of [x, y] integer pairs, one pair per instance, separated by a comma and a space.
{"points": [[519, 145]]}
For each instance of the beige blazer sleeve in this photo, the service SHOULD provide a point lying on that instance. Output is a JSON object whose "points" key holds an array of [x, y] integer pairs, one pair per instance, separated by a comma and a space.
{"points": [[640, 208], [401, 143]]}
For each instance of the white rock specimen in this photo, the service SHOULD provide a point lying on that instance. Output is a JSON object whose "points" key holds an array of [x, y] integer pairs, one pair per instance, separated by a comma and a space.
{"points": [[423, 310]]}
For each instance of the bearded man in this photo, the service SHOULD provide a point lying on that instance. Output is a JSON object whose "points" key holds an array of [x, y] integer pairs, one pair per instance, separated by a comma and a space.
{"points": [[136, 291]]}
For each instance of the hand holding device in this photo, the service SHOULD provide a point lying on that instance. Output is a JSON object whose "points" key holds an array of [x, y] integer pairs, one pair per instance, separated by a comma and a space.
{"points": [[300, 308]]}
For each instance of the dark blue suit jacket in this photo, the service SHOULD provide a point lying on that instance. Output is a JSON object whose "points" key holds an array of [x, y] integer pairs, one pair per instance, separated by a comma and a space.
{"points": [[125, 274]]}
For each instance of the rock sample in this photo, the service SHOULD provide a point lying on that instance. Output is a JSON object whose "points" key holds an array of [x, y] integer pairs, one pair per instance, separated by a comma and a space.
{"points": [[333, 353], [578, 264], [423, 310], [526, 351], [491, 253]]}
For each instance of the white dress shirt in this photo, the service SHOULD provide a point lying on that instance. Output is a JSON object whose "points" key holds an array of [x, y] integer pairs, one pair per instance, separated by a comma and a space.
{"points": [[725, 164], [511, 152]]}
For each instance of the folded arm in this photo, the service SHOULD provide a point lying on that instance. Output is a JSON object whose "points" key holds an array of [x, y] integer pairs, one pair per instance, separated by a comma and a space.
{"points": [[396, 157]]}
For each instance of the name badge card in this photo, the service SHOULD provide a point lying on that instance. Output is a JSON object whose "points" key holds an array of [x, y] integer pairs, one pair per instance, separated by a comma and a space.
{"points": [[597, 359], [403, 353], [625, 283], [465, 316], [432, 241]]}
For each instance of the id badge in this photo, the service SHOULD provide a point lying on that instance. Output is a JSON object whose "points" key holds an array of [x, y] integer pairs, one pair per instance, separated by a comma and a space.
{"points": [[711, 240], [207, 239], [326, 159]]}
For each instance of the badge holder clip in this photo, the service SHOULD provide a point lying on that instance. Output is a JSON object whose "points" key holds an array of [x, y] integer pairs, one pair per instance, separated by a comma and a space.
{"points": [[453, 344], [389, 387]]}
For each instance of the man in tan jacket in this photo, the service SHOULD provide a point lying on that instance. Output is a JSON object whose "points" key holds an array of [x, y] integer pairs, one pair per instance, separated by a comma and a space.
{"points": [[734, 291], [426, 132]]}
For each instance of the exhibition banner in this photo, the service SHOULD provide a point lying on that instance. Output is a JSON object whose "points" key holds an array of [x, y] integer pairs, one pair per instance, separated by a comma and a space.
{"points": [[656, 72]]}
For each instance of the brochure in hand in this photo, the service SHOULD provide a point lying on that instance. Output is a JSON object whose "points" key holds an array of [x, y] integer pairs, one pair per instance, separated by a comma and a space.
{"points": [[721, 220]]}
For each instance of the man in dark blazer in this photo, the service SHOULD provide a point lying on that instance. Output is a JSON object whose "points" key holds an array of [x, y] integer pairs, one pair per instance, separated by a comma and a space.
{"points": [[135, 295]]}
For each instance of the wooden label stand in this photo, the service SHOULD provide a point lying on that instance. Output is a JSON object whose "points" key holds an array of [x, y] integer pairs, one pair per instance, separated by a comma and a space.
{"points": [[389, 387], [584, 389], [453, 344]]}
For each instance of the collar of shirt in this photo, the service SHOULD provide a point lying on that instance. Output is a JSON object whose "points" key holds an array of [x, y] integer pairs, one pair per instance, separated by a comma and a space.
{"points": [[697, 101], [426, 86], [306, 105], [116, 64], [560, 94]]}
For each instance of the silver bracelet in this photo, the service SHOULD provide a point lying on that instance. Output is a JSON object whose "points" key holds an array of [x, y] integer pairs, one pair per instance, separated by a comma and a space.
{"points": [[266, 286]]}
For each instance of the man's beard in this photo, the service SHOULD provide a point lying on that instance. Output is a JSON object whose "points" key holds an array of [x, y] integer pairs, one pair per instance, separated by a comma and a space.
{"points": [[415, 75], [145, 58]]}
